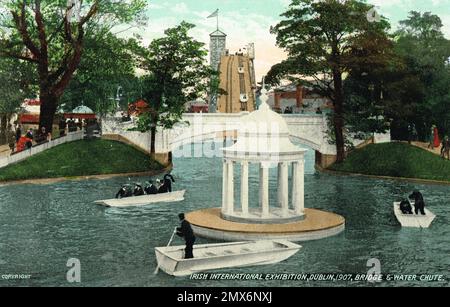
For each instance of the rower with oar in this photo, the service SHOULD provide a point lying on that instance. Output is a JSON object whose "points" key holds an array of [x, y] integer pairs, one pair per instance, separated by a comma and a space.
{"points": [[166, 186], [185, 231]]}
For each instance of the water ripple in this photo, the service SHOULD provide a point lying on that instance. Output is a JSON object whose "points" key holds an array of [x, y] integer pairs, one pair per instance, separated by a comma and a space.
{"points": [[41, 227]]}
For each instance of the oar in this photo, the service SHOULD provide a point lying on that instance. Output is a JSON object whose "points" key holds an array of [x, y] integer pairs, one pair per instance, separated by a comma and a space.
{"points": [[168, 244]]}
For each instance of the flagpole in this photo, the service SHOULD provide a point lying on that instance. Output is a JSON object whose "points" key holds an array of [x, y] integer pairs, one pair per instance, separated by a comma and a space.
{"points": [[215, 14]]}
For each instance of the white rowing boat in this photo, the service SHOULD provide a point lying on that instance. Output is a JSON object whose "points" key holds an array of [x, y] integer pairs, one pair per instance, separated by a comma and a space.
{"points": [[413, 220], [223, 255], [143, 200]]}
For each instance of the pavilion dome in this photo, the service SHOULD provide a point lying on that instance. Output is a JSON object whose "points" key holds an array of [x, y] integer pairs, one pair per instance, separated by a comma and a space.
{"points": [[82, 110], [263, 136], [265, 115]]}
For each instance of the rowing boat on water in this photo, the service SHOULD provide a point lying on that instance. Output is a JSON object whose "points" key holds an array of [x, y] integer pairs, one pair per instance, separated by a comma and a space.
{"points": [[143, 200], [413, 220], [223, 255]]}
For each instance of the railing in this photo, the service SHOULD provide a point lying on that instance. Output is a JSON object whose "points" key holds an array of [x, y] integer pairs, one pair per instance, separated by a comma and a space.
{"points": [[14, 158]]}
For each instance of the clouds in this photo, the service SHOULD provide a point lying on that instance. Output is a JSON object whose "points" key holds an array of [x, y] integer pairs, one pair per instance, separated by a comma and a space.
{"points": [[285, 3], [180, 8], [241, 28], [446, 21], [246, 21]]}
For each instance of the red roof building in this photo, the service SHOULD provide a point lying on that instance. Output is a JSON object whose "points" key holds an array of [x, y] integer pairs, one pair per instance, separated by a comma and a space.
{"points": [[29, 119], [32, 113], [138, 107]]}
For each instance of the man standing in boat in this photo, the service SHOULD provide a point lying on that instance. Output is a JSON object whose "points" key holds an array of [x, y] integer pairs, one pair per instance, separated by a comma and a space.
{"points": [[167, 182], [419, 203], [186, 232]]}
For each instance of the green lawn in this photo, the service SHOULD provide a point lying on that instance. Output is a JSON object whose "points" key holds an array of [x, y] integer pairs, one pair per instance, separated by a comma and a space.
{"points": [[81, 158], [396, 160]]}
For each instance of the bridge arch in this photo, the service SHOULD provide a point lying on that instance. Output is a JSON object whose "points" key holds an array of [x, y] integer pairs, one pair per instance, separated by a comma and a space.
{"points": [[309, 143], [307, 129], [188, 139]]}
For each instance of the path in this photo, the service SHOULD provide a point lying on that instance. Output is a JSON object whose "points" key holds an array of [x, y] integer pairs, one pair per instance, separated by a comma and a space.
{"points": [[4, 151], [436, 151]]}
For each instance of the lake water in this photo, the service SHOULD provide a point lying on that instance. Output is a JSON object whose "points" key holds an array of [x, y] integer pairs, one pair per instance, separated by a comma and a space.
{"points": [[42, 226]]}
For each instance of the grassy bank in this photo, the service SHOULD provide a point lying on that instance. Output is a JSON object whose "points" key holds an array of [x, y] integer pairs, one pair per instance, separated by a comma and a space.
{"points": [[81, 158], [396, 160]]}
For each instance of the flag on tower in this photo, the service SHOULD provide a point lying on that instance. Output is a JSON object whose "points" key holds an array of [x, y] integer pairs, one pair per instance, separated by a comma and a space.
{"points": [[215, 14]]}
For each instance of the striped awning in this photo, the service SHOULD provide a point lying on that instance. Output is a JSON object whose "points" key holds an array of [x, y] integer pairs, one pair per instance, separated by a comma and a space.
{"points": [[29, 118]]}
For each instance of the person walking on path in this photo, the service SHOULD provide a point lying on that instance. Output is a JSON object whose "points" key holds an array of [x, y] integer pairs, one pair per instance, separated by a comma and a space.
{"points": [[11, 138], [431, 140], [437, 141], [445, 150], [18, 133]]}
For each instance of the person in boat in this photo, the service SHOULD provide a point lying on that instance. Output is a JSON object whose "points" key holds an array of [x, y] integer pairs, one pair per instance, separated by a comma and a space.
{"points": [[124, 192], [163, 189], [405, 207], [166, 186], [158, 183], [419, 204], [167, 182], [186, 232], [151, 189], [138, 190]]}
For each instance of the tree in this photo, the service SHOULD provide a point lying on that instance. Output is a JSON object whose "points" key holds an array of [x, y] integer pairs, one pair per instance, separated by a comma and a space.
{"points": [[176, 73], [425, 51], [364, 104], [51, 34], [382, 99], [325, 40], [107, 64], [16, 80]]}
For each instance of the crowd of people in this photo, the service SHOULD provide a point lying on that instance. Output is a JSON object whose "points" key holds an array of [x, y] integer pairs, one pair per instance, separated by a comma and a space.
{"points": [[151, 188], [436, 142], [19, 141]]}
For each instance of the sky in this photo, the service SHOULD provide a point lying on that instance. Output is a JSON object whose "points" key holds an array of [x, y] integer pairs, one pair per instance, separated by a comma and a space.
{"points": [[246, 21]]}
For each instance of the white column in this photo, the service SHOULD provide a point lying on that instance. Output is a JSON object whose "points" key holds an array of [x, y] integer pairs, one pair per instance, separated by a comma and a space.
{"points": [[301, 192], [230, 187], [224, 187], [283, 188], [264, 189], [294, 185], [298, 189], [244, 188]]}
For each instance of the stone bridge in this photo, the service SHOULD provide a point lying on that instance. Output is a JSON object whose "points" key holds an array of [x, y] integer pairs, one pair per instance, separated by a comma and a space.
{"points": [[307, 129]]}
